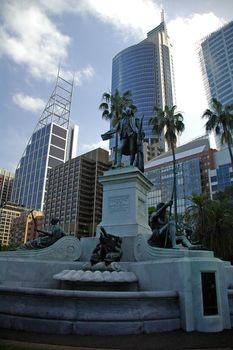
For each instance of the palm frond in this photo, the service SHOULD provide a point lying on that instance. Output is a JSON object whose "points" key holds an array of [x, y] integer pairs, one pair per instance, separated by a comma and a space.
{"points": [[226, 137], [115, 106], [106, 115], [217, 129], [106, 97], [207, 113], [103, 106]]}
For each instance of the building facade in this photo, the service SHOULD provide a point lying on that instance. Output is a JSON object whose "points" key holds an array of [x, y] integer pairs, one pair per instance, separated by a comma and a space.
{"points": [[6, 184], [222, 175], [193, 160], [8, 213], [74, 194], [53, 142], [24, 227], [216, 57], [46, 149], [146, 69]]}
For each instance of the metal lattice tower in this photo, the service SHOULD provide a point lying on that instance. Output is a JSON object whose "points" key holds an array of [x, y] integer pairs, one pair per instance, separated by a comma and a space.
{"points": [[58, 107]]}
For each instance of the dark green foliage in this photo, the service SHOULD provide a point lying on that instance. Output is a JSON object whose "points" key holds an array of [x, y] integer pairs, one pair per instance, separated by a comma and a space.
{"points": [[225, 196], [212, 223], [114, 107], [151, 210]]}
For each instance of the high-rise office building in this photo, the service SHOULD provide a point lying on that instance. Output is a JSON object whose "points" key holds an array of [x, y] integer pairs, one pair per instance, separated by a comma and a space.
{"points": [[52, 142], [216, 57], [7, 214], [74, 194], [222, 175], [146, 69], [6, 183], [193, 160]]}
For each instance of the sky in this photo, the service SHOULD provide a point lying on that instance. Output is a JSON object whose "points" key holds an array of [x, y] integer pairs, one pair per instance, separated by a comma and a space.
{"points": [[82, 36]]}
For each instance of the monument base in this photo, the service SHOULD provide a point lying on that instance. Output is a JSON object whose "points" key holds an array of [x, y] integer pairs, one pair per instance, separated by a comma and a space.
{"points": [[177, 289], [125, 210]]}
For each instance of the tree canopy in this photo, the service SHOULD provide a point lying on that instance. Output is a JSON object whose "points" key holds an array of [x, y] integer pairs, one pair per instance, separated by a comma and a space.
{"points": [[220, 120], [114, 107], [212, 222]]}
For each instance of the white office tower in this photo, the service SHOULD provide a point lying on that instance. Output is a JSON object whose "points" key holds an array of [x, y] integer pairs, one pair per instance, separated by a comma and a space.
{"points": [[53, 142], [216, 57]]}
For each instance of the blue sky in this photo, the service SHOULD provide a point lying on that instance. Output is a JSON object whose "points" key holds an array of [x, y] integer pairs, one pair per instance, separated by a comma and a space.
{"points": [[83, 36]]}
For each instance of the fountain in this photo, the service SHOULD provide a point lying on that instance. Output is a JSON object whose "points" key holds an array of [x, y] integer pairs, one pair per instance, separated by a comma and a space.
{"points": [[150, 289]]}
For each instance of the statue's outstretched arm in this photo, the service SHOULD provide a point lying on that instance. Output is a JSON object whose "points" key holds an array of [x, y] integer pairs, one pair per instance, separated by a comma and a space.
{"points": [[45, 232], [108, 135]]}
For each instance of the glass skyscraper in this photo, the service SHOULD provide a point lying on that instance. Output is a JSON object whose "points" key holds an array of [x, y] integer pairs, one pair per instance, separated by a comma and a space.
{"points": [[6, 183], [49, 145], [216, 57], [193, 160], [146, 69], [222, 175]]}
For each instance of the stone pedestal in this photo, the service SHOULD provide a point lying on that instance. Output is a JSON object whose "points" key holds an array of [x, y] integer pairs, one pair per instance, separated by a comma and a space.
{"points": [[125, 210], [199, 278]]}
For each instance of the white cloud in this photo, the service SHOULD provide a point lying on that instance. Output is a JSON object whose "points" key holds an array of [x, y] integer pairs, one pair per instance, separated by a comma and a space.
{"points": [[59, 6], [79, 76], [138, 16], [89, 147], [28, 103], [30, 38], [185, 35], [83, 75]]}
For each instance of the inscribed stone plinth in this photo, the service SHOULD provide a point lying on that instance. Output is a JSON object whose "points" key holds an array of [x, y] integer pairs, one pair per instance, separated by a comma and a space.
{"points": [[125, 210]]}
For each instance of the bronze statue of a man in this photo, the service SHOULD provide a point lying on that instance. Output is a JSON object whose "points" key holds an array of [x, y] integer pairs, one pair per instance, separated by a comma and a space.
{"points": [[131, 139]]}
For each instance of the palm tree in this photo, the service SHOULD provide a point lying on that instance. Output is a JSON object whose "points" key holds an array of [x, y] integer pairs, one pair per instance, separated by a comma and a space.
{"points": [[170, 122], [114, 108], [220, 120]]}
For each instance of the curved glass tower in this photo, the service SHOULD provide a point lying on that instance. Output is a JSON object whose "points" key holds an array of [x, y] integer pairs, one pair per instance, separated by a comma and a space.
{"points": [[146, 69], [216, 57]]}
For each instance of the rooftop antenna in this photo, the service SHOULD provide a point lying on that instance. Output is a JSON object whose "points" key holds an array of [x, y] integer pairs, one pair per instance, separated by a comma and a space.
{"points": [[162, 16]]}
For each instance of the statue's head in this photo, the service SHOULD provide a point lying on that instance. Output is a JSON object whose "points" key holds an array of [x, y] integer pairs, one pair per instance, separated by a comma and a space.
{"points": [[54, 221], [129, 112]]}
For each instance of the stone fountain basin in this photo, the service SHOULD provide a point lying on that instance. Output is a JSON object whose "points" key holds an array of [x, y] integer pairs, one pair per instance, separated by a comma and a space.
{"points": [[88, 312]]}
